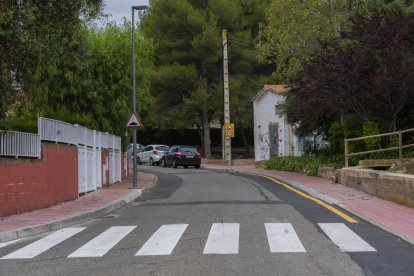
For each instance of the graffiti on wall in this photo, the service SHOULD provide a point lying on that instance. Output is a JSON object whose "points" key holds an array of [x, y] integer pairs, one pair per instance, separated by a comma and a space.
{"points": [[263, 143]]}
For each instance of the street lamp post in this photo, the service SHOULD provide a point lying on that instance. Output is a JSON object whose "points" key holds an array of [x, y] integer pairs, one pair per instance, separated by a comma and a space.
{"points": [[140, 10]]}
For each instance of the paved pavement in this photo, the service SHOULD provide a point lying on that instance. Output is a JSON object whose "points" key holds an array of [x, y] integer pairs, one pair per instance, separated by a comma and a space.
{"points": [[391, 217], [86, 207]]}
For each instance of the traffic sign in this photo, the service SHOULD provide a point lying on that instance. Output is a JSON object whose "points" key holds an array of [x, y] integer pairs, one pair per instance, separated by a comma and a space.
{"points": [[134, 121], [229, 130]]}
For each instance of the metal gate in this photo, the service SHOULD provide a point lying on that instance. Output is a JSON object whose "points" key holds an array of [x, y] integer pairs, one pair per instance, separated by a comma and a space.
{"points": [[89, 164], [273, 139]]}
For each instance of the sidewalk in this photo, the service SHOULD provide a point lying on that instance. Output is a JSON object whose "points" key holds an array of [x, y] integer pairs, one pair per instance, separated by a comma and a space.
{"points": [[391, 217], [86, 207]]}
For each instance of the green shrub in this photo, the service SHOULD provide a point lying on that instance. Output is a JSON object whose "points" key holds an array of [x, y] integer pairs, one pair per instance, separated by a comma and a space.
{"points": [[303, 164], [23, 125]]}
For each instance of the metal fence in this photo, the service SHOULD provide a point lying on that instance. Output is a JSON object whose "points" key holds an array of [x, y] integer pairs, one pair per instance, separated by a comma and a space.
{"points": [[89, 143], [19, 144], [398, 135]]}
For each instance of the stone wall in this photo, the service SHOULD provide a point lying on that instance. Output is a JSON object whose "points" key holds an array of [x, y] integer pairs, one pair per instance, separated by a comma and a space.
{"points": [[398, 188]]}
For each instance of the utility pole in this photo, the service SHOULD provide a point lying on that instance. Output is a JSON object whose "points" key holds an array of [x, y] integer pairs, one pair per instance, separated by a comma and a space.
{"points": [[226, 100]]}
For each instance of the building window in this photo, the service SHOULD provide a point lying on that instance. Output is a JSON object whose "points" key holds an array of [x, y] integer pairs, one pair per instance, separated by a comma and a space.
{"points": [[278, 109], [304, 142]]}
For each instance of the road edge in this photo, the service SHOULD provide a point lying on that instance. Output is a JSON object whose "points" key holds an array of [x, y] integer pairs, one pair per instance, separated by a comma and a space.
{"points": [[69, 221], [322, 197]]}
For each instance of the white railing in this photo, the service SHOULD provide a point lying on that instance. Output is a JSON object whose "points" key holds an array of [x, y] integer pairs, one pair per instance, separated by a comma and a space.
{"points": [[61, 132], [19, 144], [57, 131]]}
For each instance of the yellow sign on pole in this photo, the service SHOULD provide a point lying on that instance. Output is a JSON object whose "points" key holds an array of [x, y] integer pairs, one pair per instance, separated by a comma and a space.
{"points": [[229, 130]]}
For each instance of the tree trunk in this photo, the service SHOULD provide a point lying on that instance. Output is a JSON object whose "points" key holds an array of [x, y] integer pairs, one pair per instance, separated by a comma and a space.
{"points": [[206, 134], [244, 137]]}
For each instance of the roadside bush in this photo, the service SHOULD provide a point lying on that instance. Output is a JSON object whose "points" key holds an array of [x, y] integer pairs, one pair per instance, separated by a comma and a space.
{"points": [[302, 164]]}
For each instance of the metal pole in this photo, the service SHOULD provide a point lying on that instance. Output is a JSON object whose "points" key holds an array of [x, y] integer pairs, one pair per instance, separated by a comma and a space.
{"points": [[134, 106], [227, 145]]}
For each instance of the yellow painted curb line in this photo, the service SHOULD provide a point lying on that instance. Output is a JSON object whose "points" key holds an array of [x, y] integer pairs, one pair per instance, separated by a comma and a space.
{"points": [[318, 201]]}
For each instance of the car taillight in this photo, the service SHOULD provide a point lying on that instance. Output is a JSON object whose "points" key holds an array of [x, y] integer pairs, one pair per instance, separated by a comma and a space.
{"points": [[178, 154], [155, 152], [198, 155]]}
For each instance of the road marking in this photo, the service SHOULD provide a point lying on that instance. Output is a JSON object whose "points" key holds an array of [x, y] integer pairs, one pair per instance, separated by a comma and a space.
{"points": [[40, 246], [101, 244], [163, 241], [3, 244], [223, 239], [318, 201], [283, 238], [345, 238]]}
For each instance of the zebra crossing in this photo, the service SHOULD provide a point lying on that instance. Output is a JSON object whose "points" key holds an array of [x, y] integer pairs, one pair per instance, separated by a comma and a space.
{"points": [[223, 238]]}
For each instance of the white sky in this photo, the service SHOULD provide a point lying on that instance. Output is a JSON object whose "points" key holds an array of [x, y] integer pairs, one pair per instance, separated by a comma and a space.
{"points": [[121, 8]]}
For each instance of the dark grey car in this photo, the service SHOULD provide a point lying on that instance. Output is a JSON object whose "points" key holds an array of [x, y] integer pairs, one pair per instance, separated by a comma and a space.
{"points": [[181, 156]]}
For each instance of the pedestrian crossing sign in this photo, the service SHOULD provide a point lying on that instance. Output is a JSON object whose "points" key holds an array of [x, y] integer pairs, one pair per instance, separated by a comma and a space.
{"points": [[134, 121]]}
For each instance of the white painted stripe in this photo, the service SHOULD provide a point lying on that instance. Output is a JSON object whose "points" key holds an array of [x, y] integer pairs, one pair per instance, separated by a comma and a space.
{"points": [[40, 246], [101, 244], [283, 238], [223, 239], [163, 241], [3, 244], [345, 238]]}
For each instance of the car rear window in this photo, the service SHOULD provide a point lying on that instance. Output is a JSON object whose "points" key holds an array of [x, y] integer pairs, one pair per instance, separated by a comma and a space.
{"points": [[162, 148], [188, 149]]}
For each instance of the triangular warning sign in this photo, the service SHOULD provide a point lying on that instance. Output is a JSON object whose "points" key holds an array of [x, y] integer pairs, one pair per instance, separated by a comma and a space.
{"points": [[134, 121]]}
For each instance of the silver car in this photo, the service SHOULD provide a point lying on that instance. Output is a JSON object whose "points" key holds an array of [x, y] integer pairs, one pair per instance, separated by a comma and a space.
{"points": [[152, 154]]}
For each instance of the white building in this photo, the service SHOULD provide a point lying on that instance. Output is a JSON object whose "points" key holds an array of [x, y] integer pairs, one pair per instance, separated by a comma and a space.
{"points": [[273, 136]]}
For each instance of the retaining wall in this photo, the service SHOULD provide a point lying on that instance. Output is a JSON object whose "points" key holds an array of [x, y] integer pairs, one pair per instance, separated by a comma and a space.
{"points": [[398, 188]]}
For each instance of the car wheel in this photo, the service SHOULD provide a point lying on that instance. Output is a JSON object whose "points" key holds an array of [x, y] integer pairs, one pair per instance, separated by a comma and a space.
{"points": [[163, 163], [152, 162], [139, 161], [197, 166], [185, 166], [174, 164]]}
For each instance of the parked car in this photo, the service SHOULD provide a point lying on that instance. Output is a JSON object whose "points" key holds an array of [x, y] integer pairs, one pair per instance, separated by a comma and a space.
{"points": [[129, 150], [152, 154], [182, 156]]}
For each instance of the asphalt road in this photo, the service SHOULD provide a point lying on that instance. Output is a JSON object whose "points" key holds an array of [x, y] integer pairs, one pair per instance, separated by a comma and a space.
{"points": [[200, 222]]}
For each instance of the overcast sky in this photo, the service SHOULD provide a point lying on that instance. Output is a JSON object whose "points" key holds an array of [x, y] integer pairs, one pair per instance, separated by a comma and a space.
{"points": [[121, 8]]}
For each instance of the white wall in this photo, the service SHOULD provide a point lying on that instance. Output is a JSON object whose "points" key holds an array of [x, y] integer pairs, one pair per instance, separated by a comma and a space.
{"points": [[263, 114]]}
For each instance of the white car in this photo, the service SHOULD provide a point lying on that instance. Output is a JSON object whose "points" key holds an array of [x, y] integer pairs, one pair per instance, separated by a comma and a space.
{"points": [[152, 154]]}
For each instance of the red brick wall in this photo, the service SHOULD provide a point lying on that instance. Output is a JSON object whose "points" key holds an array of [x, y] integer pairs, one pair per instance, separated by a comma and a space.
{"points": [[124, 166], [105, 169], [28, 184]]}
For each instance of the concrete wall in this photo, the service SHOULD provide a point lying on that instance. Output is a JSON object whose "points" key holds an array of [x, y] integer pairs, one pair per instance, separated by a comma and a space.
{"points": [[28, 184], [398, 188], [263, 113]]}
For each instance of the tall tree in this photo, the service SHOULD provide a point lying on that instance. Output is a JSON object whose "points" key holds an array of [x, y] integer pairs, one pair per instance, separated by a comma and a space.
{"points": [[187, 42], [368, 75]]}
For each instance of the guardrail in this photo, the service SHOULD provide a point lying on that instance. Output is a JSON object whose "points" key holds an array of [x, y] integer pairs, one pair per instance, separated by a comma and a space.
{"points": [[19, 144], [400, 146]]}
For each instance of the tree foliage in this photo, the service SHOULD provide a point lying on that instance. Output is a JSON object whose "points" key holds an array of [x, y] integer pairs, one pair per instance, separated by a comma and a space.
{"points": [[39, 38], [294, 29], [366, 77], [187, 84]]}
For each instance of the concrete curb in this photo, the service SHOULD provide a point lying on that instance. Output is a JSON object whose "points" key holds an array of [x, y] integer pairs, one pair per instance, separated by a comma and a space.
{"points": [[324, 198], [59, 224]]}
